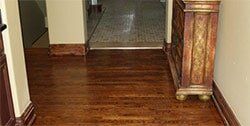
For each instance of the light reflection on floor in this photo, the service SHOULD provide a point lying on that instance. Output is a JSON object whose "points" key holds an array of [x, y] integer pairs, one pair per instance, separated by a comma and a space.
{"points": [[130, 23]]}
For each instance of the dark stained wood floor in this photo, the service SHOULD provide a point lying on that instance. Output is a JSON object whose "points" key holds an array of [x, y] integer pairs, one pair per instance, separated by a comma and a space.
{"points": [[127, 88]]}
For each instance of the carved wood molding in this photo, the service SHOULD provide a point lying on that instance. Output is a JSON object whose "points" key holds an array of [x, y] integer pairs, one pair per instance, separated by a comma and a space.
{"points": [[191, 56], [207, 6], [166, 46]]}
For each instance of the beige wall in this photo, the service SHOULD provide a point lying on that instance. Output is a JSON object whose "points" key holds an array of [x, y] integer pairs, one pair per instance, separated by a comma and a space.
{"points": [[232, 71], [66, 21], [15, 55]]}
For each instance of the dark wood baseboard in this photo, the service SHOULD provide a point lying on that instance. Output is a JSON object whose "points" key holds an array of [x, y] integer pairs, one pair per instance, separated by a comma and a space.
{"points": [[96, 8], [166, 46], [68, 49], [223, 108], [28, 117]]}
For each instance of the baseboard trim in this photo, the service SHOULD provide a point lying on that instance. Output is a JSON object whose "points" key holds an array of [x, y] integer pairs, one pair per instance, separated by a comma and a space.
{"points": [[68, 49], [28, 117], [223, 108], [166, 46]]}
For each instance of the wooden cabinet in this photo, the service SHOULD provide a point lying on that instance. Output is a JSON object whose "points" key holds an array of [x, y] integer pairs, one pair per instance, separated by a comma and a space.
{"points": [[191, 56], [7, 117]]}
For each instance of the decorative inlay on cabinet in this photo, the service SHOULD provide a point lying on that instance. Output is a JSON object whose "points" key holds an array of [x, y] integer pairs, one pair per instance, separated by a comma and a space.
{"points": [[191, 56]]}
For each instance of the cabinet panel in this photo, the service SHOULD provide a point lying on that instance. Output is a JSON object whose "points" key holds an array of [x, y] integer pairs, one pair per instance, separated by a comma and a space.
{"points": [[7, 117], [177, 36], [194, 29], [1, 45], [6, 108]]}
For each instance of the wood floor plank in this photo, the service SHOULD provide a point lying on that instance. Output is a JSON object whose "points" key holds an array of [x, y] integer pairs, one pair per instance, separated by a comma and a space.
{"points": [[111, 88]]}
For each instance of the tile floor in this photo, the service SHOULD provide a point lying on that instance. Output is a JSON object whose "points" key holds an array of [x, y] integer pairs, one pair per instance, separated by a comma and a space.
{"points": [[93, 21], [130, 23]]}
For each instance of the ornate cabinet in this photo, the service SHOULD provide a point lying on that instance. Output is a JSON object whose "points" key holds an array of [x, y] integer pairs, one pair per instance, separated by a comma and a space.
{"points": [[7, 117], [191, 56]]}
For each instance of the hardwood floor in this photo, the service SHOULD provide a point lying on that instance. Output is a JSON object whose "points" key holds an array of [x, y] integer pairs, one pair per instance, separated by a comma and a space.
{"points": [[107, 88]]}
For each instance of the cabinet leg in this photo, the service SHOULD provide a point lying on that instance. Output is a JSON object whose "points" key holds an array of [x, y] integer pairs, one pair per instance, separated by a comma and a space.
{"points": [[204, 97], [181, 97]]}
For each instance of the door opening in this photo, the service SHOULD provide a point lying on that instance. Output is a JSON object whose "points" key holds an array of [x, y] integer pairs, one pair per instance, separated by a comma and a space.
{"points": [[34, 25], [128, 24]]}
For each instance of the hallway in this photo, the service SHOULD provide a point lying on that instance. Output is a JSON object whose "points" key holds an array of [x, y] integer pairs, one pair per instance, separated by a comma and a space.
{"points": [[107, 88], [130, 23]]}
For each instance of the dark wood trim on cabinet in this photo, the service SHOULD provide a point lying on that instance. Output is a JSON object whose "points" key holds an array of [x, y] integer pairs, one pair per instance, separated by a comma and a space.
{"points": [[68, 49], [6, 106], [194, 30], [28, 117], [7, 115], [2, 27], [166, 46], [223, 108], [11, 122]]}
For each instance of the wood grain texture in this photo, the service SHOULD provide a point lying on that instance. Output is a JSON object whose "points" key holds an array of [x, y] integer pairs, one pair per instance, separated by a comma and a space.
{"points": [[28, 117], [68, 49], [224, 109], [110, 88], [7, 116], [194, 29]]}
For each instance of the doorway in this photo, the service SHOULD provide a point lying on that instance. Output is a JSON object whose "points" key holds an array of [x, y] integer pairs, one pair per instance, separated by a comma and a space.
{"points": [[129, 24], [34, 24]]}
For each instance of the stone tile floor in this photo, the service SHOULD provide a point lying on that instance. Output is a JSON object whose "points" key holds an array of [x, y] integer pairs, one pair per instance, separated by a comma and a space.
{"points": [[130, 23], [93, 21]]}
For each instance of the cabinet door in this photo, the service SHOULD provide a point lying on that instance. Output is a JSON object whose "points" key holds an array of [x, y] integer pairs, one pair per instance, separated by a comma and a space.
{"points": [[7, 116], [6, 107]]}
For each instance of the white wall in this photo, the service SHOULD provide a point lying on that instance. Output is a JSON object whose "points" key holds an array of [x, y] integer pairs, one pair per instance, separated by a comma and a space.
{"points": [[66, 21], [15, 55], [232, 71]]}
